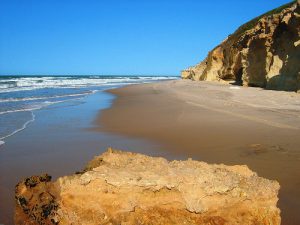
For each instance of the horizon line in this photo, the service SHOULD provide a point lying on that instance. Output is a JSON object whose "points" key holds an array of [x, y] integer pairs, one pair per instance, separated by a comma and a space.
{"points": [[90, 75]]}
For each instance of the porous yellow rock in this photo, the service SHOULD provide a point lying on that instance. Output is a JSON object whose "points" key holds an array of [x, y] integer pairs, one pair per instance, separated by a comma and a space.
{"points": [[128, 188]]}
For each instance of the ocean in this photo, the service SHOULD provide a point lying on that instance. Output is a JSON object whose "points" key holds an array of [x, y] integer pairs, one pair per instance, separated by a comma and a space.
{"points": [[22, 96]]}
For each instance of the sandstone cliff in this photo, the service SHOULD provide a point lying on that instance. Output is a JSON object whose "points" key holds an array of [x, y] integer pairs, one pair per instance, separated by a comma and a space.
{"points": [[264, 52], [127, 188]]}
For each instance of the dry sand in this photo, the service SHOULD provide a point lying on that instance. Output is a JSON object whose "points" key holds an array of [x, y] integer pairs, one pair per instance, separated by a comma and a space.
{"points": [[217, 123]]}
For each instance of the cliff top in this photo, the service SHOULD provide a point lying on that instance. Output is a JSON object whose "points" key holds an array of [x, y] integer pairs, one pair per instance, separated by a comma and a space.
{"points": [[249, 25]]}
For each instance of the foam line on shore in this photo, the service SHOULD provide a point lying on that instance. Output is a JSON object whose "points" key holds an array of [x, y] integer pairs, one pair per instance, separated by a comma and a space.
{"points": [[18, 130], [47, 97], [29, 121], [19, 110], [40, 107]]}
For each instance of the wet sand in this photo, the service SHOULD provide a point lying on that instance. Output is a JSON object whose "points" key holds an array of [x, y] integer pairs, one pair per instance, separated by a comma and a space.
{"points": [[217, 123]]}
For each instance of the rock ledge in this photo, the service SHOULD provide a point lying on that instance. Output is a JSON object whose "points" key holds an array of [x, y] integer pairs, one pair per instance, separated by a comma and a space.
{"points": [[129, 188]]}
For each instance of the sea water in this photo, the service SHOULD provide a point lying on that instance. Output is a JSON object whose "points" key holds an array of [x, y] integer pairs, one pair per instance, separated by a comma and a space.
{"points": [[22, 96]]}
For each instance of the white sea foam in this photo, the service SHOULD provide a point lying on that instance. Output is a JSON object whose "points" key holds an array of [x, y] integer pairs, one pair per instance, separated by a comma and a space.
{"points": [[40, 106], [18, 130], [32, 117], [47, 103], [32, 83], [20, 110], [49, 97], [2, 143]]}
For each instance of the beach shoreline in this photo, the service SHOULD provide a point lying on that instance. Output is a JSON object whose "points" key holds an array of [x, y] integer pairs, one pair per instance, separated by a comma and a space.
{"points": [[216, 123], [60, 142]]}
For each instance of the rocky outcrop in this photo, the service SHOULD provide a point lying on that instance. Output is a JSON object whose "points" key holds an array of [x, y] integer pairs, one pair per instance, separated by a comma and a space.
{"points": [[264, 52], [128, 188]]}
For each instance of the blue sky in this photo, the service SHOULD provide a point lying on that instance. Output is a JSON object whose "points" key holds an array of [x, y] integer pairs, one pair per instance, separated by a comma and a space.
{"points": [[116, 36]]}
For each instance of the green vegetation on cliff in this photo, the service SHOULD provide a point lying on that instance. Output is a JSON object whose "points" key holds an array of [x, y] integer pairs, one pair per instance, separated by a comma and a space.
{"points": [[249, 25]]}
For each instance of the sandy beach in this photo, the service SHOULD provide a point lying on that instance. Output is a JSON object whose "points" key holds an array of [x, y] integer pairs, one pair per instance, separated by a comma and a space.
{"points": [[217, 123]]}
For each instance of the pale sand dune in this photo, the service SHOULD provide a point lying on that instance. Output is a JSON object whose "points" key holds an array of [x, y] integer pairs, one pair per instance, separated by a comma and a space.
{"points": [[216, 123]]}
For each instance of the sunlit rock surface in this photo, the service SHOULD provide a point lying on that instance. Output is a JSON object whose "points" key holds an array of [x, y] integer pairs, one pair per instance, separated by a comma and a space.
{"points": [[128, 188]]}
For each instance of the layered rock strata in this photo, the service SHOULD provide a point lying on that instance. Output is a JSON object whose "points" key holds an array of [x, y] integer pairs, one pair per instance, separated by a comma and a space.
{"points": [[128, 188], [264, 52]]}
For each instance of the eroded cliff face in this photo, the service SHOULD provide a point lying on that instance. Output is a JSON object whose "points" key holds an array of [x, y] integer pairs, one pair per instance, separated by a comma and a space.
{"points": [[264, 52], [128, 188]]}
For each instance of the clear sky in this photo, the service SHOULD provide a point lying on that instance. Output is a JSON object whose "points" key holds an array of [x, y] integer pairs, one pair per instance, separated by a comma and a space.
{"points": [[116, 36]]}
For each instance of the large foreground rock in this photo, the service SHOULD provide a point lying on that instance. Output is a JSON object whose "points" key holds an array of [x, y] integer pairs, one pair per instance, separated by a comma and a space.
{"points": [[264, 52], [127, 188]]}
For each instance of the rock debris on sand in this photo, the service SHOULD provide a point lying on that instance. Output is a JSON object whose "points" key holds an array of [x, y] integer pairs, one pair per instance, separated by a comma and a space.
{"points": [[129, 188]]}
